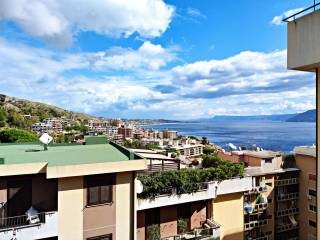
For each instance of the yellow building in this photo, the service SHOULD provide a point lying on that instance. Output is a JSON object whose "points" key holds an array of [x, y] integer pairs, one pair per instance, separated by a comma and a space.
{"points": [[306, 161], [304, 55]]}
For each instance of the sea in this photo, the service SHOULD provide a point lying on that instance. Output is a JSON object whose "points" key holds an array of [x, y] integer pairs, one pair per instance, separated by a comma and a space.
{"points": [[269, 135]]}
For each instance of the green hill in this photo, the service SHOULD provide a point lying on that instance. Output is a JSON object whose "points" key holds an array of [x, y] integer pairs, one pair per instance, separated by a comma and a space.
{"points": [[21, 113]]}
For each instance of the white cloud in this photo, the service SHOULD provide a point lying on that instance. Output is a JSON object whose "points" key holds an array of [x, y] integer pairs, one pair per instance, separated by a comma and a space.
{"points": [[57, 21], [277, 20], [247, 83], [148, 56], [193, 12]]}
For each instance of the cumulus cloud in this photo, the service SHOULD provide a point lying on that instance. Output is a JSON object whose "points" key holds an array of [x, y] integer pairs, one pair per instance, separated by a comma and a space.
{"points": [[277, 20], [58, 21], [148, 56], [247, 83]]}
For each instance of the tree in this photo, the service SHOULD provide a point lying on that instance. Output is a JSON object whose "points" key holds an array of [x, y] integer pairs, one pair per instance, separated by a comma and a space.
{"points": [[153, 232], [11, 135], [208, 150]]}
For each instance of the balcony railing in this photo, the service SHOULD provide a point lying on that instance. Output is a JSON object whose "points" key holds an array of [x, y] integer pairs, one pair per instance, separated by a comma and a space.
{"points": [[258, 189], [255, 224], [286, 212], [287, 196], [285, 182], [210, 231], [23, 220], [293, 17], [258, 238], [286, 227]]}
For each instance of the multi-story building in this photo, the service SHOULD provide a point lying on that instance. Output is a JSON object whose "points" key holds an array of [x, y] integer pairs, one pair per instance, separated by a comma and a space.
{"points": [[170, 134], [125, 132], [304, 55], [48, 126], [189, 150], [271, 207], [305, 158], [68, 192]]}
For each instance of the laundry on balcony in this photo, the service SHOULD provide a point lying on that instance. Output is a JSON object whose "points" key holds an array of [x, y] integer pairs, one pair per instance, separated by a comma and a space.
{"points": [[33, 215], [293, 221]]}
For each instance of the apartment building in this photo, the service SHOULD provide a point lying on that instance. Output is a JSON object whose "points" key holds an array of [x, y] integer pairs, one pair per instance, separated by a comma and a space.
{"points": [[47, 126], [169, 134], [189, 150], [271, 207], [304, 55], [306, 161], [67, 192]]}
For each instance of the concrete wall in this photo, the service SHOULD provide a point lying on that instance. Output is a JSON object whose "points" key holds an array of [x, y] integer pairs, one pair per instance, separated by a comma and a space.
{"points": [[198, 214], [228, 212], [141, 230], [168, 221], [303, 42], [124, 206], [101, 219], [70, 208]]}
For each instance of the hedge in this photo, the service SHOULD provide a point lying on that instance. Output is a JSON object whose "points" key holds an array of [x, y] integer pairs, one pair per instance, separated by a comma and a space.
{"points": [[186, 180]]}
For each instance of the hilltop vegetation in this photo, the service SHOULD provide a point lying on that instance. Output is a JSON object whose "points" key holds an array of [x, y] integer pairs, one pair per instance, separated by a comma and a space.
{"points": [[20, 113], [12, 135]]}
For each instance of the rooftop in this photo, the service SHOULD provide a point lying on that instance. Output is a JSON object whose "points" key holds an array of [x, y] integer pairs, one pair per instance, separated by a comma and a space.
{"points": [[259, 171], [305, 150], [61, 155], [258, 154]]}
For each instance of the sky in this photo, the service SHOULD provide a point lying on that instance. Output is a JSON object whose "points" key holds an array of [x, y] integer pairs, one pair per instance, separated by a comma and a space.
{"points": [[167, 59]]}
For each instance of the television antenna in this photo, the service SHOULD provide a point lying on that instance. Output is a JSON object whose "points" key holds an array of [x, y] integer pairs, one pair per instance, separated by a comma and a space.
{"points": [[45, 139]]}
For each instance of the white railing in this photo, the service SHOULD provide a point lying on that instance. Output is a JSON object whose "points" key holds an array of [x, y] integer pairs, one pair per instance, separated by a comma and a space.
{"points": [[255, 224], [287, 196], [170, 197], [234, 185], [289, 181], [286, 227], [286, 212], [46, 228]]}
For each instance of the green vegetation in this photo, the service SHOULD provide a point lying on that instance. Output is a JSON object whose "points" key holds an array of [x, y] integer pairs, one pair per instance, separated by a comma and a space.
{"points": [[182, 225], [153, 232], [188, 180], [208, 150], [136, 144], [13, 135]]}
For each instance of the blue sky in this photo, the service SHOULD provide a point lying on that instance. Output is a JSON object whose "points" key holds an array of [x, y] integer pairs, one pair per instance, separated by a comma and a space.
{"points": [[152, 58]]}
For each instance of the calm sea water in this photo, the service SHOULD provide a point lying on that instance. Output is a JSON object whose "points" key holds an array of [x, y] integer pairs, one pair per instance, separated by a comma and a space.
{"points": [[281, 136]]}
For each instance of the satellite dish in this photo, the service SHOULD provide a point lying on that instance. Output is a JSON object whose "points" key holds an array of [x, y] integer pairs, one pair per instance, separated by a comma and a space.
{"points": [[139, 186], [45, 139]]}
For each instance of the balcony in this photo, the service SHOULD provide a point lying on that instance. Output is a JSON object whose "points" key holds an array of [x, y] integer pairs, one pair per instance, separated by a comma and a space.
{"points": [[285, 182], [255, 224], [210, 231], [208, 190], [259, 189], [41, 225], [287, 196], [286, 227], [287, 212], [260, 207]]}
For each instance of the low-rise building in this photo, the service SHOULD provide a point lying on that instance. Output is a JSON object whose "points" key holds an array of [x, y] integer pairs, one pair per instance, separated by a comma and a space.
{"points": [[189, 150]]}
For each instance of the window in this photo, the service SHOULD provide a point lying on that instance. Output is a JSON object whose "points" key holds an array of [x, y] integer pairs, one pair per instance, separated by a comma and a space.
{"points": [[312, 208], [268, 160], [312, 223], [312, 192], [99, 189], [102, 237]]}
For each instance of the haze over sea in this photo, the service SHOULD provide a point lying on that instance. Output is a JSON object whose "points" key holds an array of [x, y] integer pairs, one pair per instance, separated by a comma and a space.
{"points": [[270, 135]]}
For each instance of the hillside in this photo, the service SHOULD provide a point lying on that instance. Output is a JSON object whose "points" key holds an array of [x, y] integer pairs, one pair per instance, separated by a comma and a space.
{"points": [[21, 113], [308, 116]]}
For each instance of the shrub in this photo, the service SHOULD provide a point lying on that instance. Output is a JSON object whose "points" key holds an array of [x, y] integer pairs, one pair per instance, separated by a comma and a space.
{"points": [[187, 180], [182, 225], [11, 135], [153, 232]]}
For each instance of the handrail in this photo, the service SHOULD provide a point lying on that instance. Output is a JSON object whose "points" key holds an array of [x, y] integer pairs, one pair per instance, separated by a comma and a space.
{"points": [[22, 220], [304, 10]]}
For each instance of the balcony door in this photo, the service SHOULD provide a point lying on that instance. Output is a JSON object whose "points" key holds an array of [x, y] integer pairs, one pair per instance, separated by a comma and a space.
{"points": [[19, 197]]}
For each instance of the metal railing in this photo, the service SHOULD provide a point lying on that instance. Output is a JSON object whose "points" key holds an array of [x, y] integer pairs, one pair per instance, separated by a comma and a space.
{"points": [[294, 16], [208, 233], [285, 182], [286, 212], [23, 220]]}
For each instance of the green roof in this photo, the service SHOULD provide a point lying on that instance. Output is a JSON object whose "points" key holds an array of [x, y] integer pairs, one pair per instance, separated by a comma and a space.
{"points": [[63, 155]]}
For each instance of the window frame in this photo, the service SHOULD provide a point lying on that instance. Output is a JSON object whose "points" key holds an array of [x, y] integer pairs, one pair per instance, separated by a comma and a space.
{"points": [[100, 237], [312, 189], [312, 208], [99, 181], [314, 224]]}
